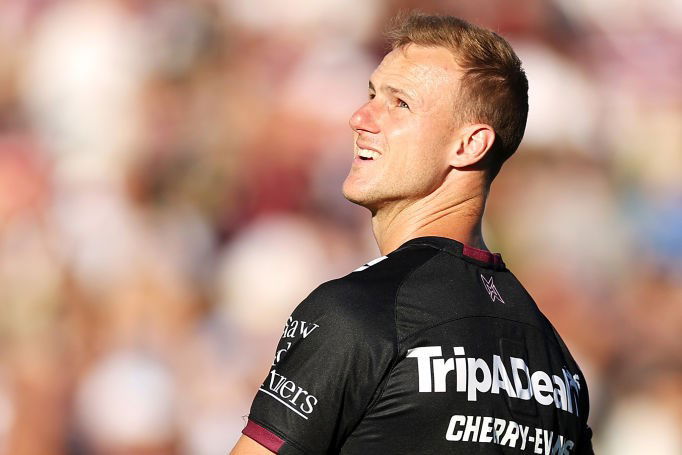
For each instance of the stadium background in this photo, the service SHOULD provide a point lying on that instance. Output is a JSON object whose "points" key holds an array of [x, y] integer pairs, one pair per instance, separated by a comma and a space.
{"points": [[169, 190]]}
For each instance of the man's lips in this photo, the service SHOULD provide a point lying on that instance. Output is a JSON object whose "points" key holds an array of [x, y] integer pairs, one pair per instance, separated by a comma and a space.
{"points": [[366, 152], [361, 145]]}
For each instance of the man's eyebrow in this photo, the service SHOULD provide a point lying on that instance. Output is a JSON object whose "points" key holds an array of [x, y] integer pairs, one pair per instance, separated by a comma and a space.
{"points": [[397, 91], [392, 90]]}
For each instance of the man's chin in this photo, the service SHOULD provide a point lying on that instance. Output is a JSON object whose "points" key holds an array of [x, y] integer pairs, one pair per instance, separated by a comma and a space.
{"points": [[358, 198]]}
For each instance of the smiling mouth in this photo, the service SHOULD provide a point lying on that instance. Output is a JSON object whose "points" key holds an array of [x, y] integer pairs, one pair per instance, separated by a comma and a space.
{"points": [[367, 155]]}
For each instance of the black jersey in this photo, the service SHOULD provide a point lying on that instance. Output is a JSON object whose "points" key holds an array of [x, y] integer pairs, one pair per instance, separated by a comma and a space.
{"points": [[433, 349]]}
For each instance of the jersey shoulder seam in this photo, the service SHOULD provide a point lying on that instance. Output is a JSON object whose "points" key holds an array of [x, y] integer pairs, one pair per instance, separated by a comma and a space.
{"points": [[458, 318], [400, 287], [396, 345]]}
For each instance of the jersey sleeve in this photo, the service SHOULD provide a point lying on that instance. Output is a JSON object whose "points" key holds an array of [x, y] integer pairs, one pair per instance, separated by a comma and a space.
{"points": [[335, 350]]}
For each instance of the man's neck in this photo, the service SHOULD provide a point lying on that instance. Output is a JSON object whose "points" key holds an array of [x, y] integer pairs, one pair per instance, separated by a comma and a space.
{"points": [[444, 213]]}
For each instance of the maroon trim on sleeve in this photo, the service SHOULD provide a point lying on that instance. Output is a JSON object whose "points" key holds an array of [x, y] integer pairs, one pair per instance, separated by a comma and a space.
{"points": [[264, 437], [482, 255]]}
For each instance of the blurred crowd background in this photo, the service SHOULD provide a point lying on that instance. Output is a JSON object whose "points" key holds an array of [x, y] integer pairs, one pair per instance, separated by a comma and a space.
{"points": [[170, 177]]}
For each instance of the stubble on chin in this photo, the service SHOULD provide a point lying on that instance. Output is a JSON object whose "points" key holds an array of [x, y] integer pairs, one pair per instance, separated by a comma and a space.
{"points": [[356, 195], [351, 193]]}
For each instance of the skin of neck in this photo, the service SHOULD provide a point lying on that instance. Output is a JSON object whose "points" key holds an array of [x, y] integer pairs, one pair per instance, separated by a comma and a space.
{"points": [[453, 210]]}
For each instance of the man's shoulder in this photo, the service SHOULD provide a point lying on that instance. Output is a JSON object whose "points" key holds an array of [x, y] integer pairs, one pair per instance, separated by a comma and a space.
{"points": [[377, 278], [367, 295]]}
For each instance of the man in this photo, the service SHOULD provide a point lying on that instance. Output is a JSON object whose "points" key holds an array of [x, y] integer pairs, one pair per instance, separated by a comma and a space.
{"points": [[434, 348]]}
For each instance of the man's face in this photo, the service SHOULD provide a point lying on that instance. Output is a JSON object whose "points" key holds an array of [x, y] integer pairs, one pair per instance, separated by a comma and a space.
{"points": [[403, 133]]}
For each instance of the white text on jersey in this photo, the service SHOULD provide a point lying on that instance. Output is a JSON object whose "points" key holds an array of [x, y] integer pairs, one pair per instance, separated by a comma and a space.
{"points": [[294, 328], [289, 394], [474, 375]]}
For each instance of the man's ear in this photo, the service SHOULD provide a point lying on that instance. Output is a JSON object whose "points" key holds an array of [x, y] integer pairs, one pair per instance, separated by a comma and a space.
{"points": [[474, 143]]}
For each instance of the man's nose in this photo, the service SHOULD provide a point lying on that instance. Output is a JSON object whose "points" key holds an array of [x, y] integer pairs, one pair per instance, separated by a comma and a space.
{"points": [[364, 119]]}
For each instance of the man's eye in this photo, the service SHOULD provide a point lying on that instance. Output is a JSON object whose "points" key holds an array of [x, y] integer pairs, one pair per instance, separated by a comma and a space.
{"points": [[403, 104]]}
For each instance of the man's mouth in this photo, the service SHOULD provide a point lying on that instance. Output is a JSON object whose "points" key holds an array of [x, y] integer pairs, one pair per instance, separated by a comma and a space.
{"points": [[365, 154]]}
